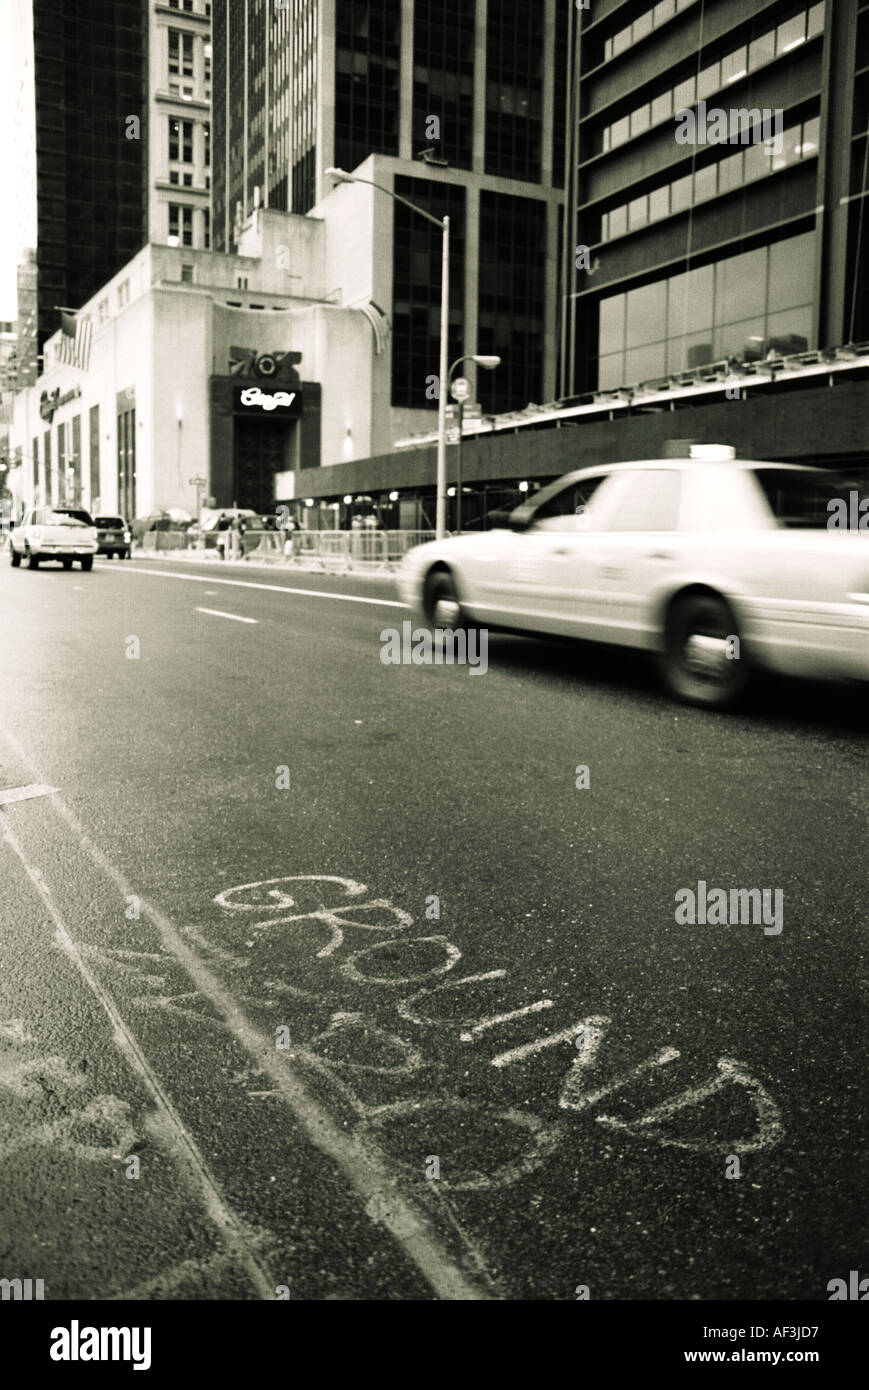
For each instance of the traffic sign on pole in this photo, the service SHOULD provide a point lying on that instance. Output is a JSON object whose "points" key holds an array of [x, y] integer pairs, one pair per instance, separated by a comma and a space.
{"points": [[460, 389]]}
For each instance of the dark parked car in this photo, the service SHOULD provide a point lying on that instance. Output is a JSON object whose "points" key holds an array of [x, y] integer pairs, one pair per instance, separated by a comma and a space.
{"points": [[113, 537]]}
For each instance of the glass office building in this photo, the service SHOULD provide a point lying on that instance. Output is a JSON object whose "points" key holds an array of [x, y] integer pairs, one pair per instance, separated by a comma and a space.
{"points": [[718, 175]]}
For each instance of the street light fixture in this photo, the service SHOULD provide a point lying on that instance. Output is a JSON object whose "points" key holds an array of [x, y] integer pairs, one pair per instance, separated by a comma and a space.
{"points": [[489, 363], [341, 176]]}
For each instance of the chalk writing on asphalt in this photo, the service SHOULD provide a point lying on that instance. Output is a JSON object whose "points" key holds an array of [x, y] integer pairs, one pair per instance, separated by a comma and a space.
{"points": [[416, 979]]}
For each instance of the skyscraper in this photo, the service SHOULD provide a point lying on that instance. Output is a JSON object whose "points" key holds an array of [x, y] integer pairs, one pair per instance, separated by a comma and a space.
{"points": [[463, 103], [113, 138], [91, 136], [179, 123], [702, 248]]}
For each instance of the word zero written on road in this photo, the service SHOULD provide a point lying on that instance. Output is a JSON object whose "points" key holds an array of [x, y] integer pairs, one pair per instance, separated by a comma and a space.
{"points": [[419, 1007]]}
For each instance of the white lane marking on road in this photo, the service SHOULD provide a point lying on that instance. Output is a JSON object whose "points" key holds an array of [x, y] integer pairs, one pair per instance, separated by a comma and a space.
{"points": [[273, 588], [505, 1018], [183, 1144], [10, 794], [217, 613], [364, 1166]]}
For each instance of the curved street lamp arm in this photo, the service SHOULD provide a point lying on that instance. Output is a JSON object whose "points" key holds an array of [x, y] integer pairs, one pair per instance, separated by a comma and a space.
{"points": [[397, 197]]}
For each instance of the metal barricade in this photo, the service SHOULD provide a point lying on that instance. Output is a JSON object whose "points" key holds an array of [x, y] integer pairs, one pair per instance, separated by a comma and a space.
{"points": [[262, 545], [334, 552]]}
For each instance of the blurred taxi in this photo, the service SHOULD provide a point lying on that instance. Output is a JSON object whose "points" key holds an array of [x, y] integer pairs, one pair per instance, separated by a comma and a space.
{"points": [[718, 566]]}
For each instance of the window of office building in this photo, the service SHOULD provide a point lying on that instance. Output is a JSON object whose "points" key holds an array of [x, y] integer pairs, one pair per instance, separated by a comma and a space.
{"points": [[94, 444], [367, 61], [47, 492], [180, 53], [180, 140], [180, 225], [416, 272], [127, 463], [742, 306], [642, 26], [737, 64], [512, 301], [443, 78], [206, 229], [73, 471], [560, 96], [35, 468], [294, 143], [756, 161], [514, 88]]}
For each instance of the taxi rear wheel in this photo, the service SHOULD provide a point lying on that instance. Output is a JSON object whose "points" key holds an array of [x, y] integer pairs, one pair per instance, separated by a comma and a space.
{"points": [[32, 561], [87, 562], [703, 662]]}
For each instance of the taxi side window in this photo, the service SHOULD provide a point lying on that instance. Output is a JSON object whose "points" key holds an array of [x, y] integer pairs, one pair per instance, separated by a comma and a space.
{"points": [[649, 501], [566, 511]]}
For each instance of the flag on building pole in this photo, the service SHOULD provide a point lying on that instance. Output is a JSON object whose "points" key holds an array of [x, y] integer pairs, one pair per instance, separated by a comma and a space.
{"points": [[75, 343]]}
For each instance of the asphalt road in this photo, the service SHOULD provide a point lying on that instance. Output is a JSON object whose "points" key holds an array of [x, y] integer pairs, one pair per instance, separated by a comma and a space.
{"points": [[323, 976]]}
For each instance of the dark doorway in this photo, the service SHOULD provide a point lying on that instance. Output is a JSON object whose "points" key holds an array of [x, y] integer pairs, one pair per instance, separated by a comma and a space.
{"points": [[260, 453]]}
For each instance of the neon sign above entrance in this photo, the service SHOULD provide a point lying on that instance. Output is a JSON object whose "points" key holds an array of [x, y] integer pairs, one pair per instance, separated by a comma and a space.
{"points": [[253, 397]]}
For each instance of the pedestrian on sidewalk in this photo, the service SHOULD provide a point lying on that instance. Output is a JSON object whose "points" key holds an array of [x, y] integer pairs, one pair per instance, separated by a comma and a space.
{"points": [[223, 525]]}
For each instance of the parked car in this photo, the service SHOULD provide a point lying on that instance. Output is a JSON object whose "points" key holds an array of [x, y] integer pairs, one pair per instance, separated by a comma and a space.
{"points": [[113, 537], [718, 566], [54, 533]]}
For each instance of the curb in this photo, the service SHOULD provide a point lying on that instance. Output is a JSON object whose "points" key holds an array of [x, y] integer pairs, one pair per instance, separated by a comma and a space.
{"points": [[279, 566]]}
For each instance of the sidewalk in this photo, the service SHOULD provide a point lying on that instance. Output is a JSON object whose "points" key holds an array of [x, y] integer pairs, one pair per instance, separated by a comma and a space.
{"points": [[207, 557]]}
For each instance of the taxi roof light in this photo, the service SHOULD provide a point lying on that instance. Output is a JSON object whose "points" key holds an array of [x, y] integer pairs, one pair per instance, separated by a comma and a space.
{"points": [[712, 451]]}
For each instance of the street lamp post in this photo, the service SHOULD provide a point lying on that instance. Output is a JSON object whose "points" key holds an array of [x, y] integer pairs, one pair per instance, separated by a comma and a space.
{"points": [[341, 176], [490, 363]]}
